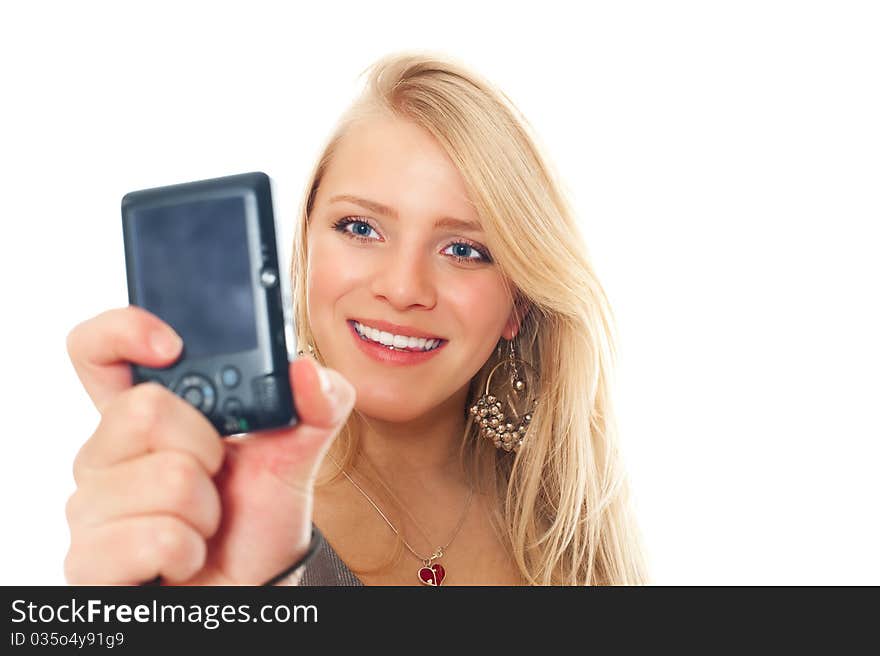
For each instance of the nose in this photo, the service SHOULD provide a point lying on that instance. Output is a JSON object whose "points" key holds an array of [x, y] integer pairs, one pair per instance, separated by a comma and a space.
{"points": [[404, 278]]}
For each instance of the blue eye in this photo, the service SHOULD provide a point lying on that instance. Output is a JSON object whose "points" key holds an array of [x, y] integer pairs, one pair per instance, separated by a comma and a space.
{"points": [[461, 246], [362, 230], [342, 224]]}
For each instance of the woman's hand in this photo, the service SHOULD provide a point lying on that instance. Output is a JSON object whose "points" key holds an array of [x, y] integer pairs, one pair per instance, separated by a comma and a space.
{"points": [[159, 493]]}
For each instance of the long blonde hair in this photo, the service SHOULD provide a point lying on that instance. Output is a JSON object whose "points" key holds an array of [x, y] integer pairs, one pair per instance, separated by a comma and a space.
{"points": [[563, 504]]}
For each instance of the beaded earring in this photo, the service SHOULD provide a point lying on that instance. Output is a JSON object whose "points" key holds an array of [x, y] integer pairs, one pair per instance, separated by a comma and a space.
{"points": [[507, 432]]}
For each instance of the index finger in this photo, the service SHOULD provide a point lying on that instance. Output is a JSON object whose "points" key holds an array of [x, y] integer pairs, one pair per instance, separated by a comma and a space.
{"points": [[150, 418], [102, 347]]}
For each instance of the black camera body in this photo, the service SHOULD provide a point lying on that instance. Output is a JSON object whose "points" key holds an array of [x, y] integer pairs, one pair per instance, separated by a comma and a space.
{"points": [[202, 257]]}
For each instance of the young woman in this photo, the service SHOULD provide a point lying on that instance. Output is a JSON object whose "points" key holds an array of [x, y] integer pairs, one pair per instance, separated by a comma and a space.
{"points": [[464, 434]]}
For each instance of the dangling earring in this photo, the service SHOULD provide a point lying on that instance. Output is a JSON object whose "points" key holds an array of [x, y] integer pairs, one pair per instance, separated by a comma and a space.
{"points": [[311, 351], [506, 432]]}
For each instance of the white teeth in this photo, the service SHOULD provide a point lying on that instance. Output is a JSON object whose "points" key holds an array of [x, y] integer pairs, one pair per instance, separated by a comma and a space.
{"points": [[397, 341]]}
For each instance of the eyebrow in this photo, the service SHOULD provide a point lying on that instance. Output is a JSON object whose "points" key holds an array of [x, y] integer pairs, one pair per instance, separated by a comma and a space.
{"points": [[385, 210]]}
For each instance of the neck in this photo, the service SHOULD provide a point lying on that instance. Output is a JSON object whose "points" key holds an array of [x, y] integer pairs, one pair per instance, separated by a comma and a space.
{"points": [[413, 472], [419, 452], [426, 447]]}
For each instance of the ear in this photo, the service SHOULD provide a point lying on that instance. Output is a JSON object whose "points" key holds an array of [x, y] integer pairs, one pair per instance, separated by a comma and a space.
{"points": [[514, 321]]}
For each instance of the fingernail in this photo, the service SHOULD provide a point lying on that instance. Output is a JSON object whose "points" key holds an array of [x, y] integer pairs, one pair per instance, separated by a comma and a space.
{"points": [[324, 378], [166, 343]]}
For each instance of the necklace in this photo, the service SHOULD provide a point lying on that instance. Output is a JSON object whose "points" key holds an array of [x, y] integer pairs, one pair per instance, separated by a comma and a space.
{"points": [[430, 573]]}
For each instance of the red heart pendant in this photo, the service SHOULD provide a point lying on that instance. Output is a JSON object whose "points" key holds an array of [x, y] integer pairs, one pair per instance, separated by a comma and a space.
{"points": [[432, 575]]}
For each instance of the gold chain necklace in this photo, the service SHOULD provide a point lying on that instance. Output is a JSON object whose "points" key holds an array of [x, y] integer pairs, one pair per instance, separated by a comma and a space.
{"points": [[430, 573]]}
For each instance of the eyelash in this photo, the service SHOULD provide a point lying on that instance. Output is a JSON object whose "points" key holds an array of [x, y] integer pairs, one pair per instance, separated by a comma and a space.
{"points": [[341, 224]]}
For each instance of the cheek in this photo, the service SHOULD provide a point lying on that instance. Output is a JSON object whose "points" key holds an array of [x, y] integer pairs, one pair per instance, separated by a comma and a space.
{"points": [[326, 279], [480, 303], [322, 283], [480, 310]]}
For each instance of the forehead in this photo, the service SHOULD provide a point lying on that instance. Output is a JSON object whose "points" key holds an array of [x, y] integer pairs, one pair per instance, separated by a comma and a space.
{"points": [[397, 163]]}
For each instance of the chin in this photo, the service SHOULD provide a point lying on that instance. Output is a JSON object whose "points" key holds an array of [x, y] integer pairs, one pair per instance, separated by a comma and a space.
{"points": [[396, 411]]}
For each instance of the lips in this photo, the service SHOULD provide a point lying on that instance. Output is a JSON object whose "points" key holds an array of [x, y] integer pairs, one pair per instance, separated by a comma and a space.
{"points": [[393, 357], [394, 328], [405, 349]]}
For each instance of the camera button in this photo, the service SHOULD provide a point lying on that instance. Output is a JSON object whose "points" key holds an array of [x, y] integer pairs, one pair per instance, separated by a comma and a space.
{"points": [[193, 396], [197, 391], [233, 406], [268, 277], [267, 394], [230, 377]]}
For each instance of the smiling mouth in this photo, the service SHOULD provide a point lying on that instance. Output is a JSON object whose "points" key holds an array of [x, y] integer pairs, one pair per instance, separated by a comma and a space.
{"points": [[434, 343]]}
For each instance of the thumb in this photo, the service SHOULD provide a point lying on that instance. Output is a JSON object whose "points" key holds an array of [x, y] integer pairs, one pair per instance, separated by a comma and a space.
{"points": [[268, 478], [323, 399]]}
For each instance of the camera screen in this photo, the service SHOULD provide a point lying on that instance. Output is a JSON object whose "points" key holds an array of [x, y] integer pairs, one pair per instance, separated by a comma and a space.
{"points": [[194, 273]]}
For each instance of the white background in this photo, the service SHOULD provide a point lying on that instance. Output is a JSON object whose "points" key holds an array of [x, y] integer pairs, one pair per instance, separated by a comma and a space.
{"points": [[722, 157]]}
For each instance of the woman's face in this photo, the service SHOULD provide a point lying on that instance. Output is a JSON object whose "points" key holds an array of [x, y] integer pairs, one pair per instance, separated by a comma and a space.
{"points": [[373, 266]]}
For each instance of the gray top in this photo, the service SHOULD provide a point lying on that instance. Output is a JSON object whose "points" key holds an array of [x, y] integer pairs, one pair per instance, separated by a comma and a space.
{"points": [[327, 569]]}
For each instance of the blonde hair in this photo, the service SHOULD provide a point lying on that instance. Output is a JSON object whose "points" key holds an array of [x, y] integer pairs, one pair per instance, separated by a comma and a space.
{"points": [[563, 504]]}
